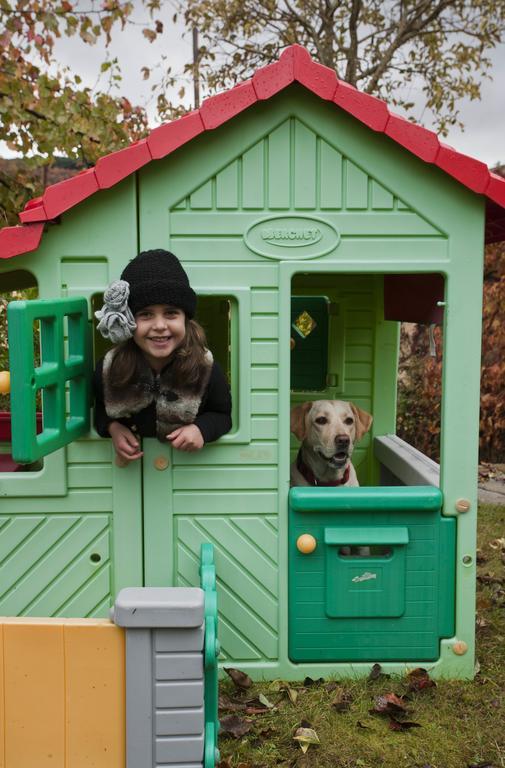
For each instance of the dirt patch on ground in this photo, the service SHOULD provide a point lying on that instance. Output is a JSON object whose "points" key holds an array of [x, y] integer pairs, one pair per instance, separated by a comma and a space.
{"points": [[492, 483]]}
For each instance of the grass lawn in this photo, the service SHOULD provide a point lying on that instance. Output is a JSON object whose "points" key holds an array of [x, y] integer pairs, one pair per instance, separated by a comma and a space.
{"points": [[461, 724]]}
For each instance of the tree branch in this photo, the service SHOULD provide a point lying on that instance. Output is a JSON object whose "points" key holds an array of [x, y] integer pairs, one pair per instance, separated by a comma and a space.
{"points": [[407, 30], [352, 60]]}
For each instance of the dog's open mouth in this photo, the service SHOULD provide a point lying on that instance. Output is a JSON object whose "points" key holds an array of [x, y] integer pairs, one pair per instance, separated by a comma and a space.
{"points": [[337, 460]]}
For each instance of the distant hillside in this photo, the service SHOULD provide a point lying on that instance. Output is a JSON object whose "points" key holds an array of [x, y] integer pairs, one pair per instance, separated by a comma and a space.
{"points": [[61, 169], [20, 182]]}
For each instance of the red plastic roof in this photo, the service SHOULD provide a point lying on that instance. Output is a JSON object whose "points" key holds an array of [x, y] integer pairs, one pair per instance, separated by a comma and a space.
{"points": [[294, 65]]}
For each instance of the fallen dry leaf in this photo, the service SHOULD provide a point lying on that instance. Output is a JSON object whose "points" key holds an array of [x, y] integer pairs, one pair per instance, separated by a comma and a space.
{"points": [[305, 737], [240, 679], [481, 765], [232, 725], [481, 622], [284, 687], [309, 682], [257, 706], [226, 704], [342, 701], [402, 725], [419, 679], [388, 704], [224, 763], [375, 672], [266, 703]]}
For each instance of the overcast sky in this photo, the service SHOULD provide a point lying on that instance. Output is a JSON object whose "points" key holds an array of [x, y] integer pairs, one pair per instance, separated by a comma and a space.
{"points": [[483, 137]]}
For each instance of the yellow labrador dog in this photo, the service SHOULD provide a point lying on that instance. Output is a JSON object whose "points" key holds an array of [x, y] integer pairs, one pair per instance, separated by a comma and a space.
{"points": [[328, 430]]}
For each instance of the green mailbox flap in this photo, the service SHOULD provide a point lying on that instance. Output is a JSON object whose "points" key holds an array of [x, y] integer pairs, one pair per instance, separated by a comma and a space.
{"points": [[355, 536], [64, 374]]}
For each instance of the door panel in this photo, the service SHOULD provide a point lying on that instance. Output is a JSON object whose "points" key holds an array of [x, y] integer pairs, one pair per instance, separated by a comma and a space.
{"points": [[379, 583]]}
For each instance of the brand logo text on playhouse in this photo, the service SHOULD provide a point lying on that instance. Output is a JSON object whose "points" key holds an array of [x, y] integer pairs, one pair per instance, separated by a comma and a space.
{"points": [[291, 237]]}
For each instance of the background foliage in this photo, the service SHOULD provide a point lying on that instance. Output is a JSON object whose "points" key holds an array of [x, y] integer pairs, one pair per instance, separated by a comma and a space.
{"points": [[420, 387]]}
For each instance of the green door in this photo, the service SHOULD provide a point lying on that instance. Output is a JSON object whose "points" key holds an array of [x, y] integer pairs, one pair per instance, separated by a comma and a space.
{"points": [[377, 582]]}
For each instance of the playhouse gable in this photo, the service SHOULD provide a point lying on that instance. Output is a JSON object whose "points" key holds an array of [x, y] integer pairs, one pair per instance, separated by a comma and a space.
{"points": [[294, 155], [293, 167]]}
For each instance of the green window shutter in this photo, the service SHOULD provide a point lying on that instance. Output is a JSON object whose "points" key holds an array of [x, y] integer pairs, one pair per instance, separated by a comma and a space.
{"points": [[64, 374], [309, 330]]}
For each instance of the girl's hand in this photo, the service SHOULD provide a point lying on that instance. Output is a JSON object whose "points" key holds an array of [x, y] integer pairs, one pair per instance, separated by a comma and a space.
{"points": [[126, 444], [188, 438]]}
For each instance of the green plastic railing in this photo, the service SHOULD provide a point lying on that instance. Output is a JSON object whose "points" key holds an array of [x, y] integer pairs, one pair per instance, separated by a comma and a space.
{"points": [[384, 498], [63, 378], [211, 652]]}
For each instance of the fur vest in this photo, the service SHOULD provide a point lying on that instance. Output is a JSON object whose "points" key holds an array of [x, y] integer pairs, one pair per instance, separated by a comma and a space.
{"points": [[174, 407]]}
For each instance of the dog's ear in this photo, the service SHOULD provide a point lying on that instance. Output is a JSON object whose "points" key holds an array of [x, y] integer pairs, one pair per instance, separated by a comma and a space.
{"points": [[363, 421], [298, 414]]}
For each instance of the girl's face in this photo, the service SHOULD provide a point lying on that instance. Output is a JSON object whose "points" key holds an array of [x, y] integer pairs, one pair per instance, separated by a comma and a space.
{"points": [[160, 331]]}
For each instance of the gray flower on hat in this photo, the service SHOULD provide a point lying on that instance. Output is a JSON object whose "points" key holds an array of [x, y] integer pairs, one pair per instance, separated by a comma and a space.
{"points": [[116, 320]]}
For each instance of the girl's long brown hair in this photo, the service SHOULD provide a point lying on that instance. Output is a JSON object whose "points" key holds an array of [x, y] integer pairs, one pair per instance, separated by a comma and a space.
{"points": [[187, 360]]}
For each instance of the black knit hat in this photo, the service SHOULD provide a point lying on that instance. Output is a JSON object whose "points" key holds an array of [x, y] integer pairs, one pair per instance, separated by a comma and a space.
{"points": [[157, 277]]}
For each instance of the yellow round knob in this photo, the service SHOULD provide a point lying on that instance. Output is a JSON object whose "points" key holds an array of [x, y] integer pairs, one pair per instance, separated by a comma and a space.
{"points": [[460, 648], [306, 543], [5, 382], [161, 463]]}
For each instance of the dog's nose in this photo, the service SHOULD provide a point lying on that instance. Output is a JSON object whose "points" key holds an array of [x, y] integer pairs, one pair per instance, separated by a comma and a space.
{"points": [[342, 441]]}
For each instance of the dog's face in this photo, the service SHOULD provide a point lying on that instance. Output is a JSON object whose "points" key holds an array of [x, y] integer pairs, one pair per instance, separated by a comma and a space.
{"points": [[330, 428]]}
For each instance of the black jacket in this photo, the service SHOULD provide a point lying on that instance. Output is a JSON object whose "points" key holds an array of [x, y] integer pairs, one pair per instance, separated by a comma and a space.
{"points": [[213, 418]]}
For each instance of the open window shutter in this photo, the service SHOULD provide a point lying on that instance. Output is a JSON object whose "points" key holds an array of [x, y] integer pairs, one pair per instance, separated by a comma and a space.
{"points": [[64, 374]]}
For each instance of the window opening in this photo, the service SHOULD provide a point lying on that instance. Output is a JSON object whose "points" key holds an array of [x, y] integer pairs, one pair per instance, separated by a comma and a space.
{"points": [[214, 315], [218, 316], [369, 354]]}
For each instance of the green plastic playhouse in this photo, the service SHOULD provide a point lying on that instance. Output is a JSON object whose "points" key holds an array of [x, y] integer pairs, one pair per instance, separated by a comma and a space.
{"points": [[298, 206]]}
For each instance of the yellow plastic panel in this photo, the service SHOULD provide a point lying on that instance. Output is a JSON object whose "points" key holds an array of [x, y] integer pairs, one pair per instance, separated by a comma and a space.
{"points": [[62, 688], [95, 695], [34, 700]]}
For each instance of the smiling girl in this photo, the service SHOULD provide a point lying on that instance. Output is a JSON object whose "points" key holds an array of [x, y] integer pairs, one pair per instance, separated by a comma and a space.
{"points": [[161, 380]]}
